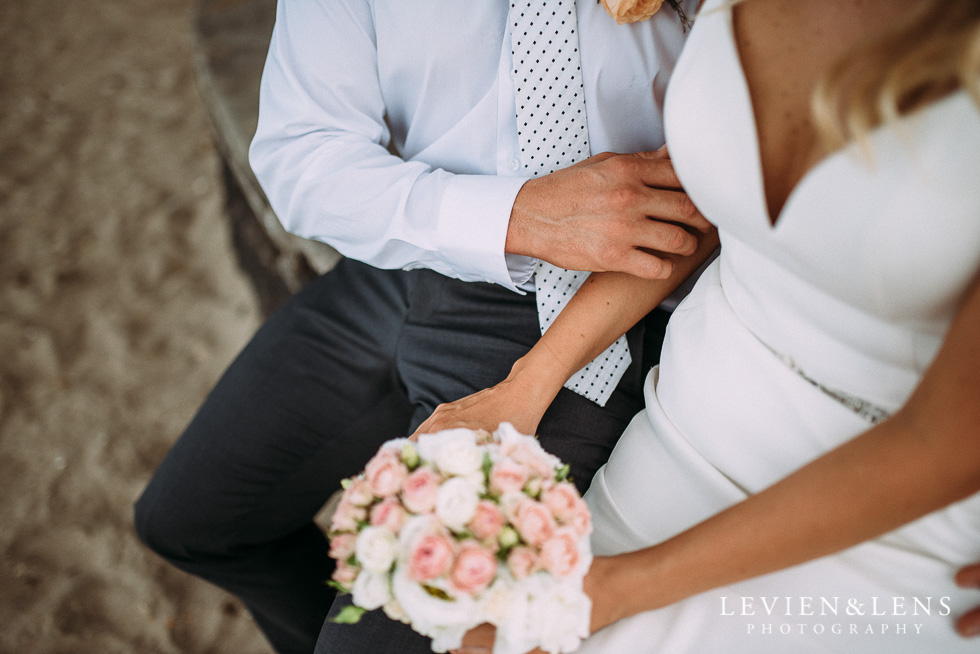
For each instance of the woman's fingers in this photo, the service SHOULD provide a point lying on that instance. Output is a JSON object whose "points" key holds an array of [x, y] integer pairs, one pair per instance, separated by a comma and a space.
{"points": [[968, 624]]}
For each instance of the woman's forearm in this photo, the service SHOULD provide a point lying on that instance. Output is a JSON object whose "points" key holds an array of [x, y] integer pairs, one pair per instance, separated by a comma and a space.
{"points": [[922, 459], [605, 308]]}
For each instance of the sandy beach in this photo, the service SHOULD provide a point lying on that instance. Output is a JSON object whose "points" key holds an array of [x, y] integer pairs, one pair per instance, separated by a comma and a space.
{"points": [[120, 304]]}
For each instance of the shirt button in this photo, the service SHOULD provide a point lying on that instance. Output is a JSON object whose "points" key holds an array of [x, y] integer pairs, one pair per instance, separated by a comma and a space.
{"points": [[515, 164]]}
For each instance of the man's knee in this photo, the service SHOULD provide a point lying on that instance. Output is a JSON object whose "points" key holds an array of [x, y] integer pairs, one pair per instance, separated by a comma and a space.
{"points": [[174, 529], [158, 534]]}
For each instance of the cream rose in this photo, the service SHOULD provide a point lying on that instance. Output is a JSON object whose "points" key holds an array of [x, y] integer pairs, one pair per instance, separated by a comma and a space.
{"points": [[631, 11]]}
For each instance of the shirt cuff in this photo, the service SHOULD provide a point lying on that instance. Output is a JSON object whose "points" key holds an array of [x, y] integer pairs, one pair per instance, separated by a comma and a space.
{"points": [[473, 219]]}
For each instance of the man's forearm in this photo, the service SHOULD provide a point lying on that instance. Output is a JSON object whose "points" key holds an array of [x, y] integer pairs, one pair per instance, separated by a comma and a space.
{"points": [[611, 212]]}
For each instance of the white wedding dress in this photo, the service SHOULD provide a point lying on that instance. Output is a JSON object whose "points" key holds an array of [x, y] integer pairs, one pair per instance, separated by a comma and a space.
{"points": [[791, 343]]}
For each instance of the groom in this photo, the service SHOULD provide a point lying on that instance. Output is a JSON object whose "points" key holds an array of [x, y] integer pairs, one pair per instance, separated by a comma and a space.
{"points": [[389, 130]]}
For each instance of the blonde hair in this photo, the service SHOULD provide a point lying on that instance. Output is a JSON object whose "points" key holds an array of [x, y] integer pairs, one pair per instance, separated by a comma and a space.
{"points": [[934, 51]]}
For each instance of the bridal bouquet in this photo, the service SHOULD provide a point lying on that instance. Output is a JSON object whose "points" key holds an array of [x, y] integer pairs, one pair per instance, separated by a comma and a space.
{"points": [[466, 527]]}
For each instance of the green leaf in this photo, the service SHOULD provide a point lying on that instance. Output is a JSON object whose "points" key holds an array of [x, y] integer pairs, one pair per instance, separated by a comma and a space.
{"points": [[349, 615], [438, 593], [337, 586], [410, 456], [508, 537], [562, 473]]}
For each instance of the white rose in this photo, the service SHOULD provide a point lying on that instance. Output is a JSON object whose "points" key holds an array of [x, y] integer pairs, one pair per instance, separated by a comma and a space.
{"points": [[456, 503], [561, 612], [371, 591], [395, 611], [444, 621], [454, 451], [502, 600], [376, 548], [460, 455]]}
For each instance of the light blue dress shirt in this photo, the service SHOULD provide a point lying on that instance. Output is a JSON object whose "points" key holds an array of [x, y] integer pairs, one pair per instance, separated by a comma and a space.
{"points": [[387, 127]]}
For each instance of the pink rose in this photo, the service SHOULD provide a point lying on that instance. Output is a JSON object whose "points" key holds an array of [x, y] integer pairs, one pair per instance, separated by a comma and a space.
{"points": [[342, 546], [534, 522], [420, 490], [487, 521], [562, 500], [507, 476], [388, 513], [385, 473], [559, 554], [474, 569], [359, 492], [521, 561], [345, 574], [528, 452], [347, 516], [431, 557], [631, 11], [509, 503], [581, 520]]}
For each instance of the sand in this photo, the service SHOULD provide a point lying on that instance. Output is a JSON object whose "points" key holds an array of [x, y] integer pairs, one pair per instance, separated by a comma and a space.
{"points": [[120, 304]]}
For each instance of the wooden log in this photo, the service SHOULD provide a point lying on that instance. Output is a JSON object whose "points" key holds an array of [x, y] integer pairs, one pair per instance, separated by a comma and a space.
{"points": [[231, 39]]}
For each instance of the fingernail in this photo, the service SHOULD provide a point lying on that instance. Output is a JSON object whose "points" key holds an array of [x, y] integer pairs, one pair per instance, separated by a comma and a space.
{"points": [[970, 631], [966, 582]]}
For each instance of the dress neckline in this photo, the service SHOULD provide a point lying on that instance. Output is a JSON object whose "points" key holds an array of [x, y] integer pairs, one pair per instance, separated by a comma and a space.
{"points": [[772, 223], [716, 33]]}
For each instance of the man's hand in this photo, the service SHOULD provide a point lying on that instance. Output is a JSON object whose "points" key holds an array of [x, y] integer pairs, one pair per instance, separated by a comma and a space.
{"points": [[969, 623], [610, 212]]}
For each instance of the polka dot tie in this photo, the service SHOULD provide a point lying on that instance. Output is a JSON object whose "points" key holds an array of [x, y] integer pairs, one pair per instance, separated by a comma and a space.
{"points": [[553, 134]]}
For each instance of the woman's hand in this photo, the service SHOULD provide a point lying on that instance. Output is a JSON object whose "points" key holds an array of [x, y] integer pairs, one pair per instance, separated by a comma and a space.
{"points": [[480, 641], [521, 399], [969, 623], [608, 578], [486, 409], [602, 587]]}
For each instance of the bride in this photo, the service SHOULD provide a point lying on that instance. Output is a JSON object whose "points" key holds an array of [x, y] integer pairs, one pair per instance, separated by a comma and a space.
{"points": [[805, 475]]}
